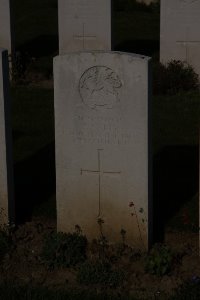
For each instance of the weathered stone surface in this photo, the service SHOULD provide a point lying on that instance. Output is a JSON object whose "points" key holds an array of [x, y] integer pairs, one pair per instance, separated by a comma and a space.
{"points": [[6, 166], [101, 127], [84, 25], [180, 34]]}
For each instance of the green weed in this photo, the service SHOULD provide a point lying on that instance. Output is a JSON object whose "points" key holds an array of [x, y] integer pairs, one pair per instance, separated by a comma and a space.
{"points": [[4, 244], [100, 272], [64, 249], [174, 77], [160, 260]]}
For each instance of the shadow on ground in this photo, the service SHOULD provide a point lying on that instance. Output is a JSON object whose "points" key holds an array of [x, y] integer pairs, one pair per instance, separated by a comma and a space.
{"points": [[175, 173], [43, 45], [175, 182], [34, 182], [143, 47]]}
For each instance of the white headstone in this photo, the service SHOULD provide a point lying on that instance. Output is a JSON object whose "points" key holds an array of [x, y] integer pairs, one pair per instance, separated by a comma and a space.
{"points": [[101, 127], [84, 25], [180, 33], [6, 167], [5, 25]]}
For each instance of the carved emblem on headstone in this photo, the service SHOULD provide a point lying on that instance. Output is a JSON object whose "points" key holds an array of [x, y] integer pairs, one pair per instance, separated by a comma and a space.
{"points": [[99, 87]]}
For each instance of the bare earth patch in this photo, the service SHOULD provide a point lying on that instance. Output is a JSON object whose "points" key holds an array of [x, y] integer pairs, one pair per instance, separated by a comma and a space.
{"points": [[24, 265]]}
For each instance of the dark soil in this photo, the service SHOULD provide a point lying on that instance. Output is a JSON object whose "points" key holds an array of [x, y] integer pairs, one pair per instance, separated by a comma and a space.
{"points": [[24, 265]]}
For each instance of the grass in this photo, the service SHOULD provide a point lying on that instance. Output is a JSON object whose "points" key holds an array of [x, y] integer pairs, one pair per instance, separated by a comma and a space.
{"points": [[34, 18], [36, 37], [175, 123], [33, 150], [175, 146], [176, 120], [36, 31], [33, 120], [187, 218], [135, 26]]}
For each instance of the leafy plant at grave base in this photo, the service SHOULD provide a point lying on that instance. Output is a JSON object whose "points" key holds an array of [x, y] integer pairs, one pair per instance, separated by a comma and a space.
{"points": [[189, 223], [174, 77], [187, 218], [100, 272], [189, 290], [102, 242], [5, 237], [160, 260], [64, 249], [121, 248], [5, 243], [19, 68]]}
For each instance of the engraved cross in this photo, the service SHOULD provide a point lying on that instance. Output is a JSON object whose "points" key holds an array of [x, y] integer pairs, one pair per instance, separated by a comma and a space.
{"points": [[84, 36], [100, 172]]}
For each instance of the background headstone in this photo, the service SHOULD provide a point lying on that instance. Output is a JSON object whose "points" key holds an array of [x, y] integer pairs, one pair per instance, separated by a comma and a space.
{"points": [[101, 130], [84, 25], [6, 166], [147, 1], [180, 33], [5, 25]]}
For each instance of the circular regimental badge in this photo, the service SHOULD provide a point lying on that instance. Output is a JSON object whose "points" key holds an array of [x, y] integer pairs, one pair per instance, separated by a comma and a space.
{"points": [[99, 87]]}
